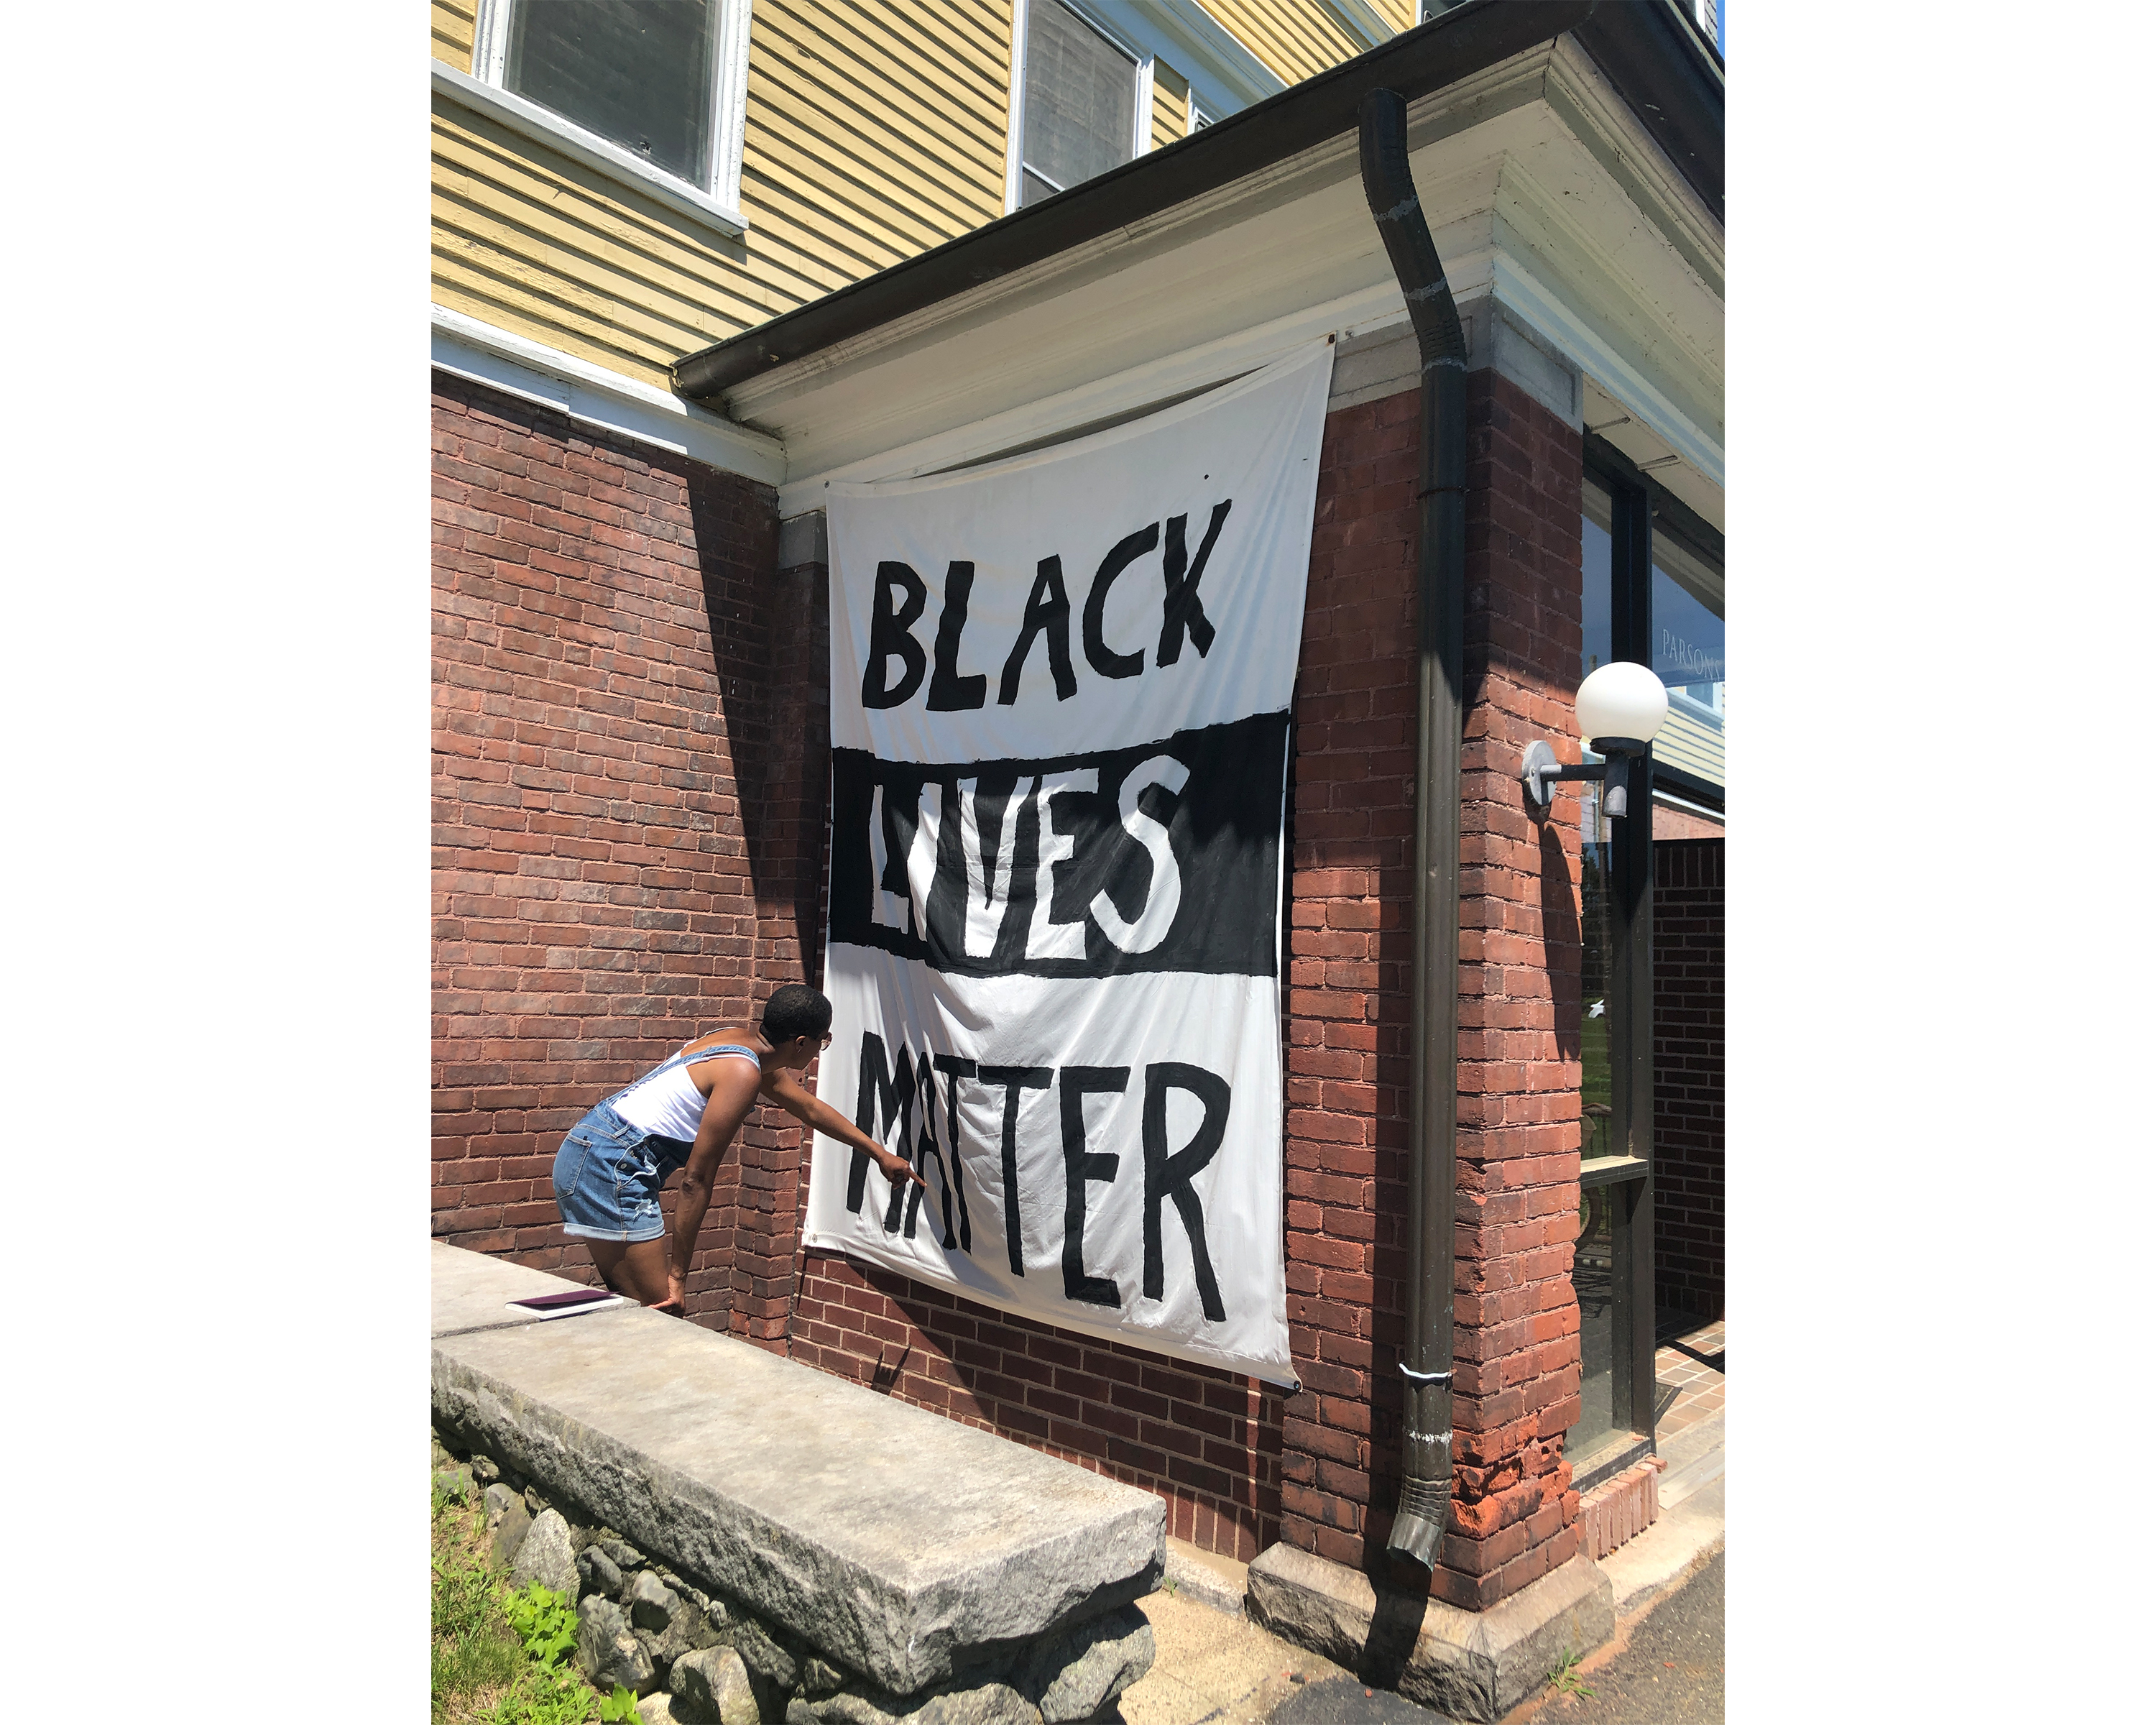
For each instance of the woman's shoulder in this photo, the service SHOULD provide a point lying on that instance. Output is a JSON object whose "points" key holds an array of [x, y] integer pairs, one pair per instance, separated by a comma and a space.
{"points": [[729, 1035]]}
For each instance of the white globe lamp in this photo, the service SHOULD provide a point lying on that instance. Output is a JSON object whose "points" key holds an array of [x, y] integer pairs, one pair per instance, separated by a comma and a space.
{"points": [[1621, 707], [1621, 702]]}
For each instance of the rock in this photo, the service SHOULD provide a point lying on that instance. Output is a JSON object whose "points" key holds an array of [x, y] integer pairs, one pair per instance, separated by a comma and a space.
{"points": [[711, 1688], [507, 1522], [656, 1708], [651, 1603], [688, 1630], [626, 1557], [456, 1484], [820, 1677], [545, 1556], [987, 1701], [694, 1594], [765, 1658], [608, 1651], [1074, 1676], [596, 1573]]}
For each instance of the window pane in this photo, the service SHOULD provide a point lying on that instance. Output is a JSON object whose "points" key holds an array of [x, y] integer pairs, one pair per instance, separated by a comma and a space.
{"points": [[1594, 578], [1080, 99], [1594, 1280], [637, 72], [1596, 934], [1688, 657]]}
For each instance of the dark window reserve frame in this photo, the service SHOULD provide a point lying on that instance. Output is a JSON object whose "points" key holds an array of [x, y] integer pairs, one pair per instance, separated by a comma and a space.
{"points": [[1640, 510]]}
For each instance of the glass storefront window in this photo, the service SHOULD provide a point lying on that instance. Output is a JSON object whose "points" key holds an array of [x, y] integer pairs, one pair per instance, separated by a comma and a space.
{"points": [[1594, 858], [1594, 1281], [1688, 657]]}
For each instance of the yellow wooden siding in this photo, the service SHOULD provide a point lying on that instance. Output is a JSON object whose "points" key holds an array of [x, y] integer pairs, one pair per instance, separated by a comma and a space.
{"points": [[1294, 38], [1400, 14], [534, 243], [1171, 105], [1691, 743], [874, 132], [454, 23]]}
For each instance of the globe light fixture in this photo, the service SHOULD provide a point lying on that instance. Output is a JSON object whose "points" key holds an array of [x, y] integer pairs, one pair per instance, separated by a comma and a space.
{"points": [[1621, 707]]}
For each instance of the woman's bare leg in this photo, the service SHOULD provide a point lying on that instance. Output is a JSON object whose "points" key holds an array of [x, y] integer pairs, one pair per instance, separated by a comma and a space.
{"points": [[638, 1271]]}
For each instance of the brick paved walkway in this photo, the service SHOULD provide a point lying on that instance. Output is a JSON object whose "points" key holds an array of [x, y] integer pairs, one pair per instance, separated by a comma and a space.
{"points": [[1688, 1371]]}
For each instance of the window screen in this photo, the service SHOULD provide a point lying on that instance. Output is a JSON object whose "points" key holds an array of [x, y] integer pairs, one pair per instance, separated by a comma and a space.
{"points": [[1081, 102], [637, 72]]}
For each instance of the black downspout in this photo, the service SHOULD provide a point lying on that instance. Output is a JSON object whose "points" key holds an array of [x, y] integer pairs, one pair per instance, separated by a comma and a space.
{"points": [[1426, 1435]]}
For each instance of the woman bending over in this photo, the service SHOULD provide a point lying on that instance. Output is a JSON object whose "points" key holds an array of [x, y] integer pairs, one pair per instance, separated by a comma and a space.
{"points": [[683, 1115]]}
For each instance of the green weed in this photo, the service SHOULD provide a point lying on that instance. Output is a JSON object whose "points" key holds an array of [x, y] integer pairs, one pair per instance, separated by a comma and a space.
{"points": [[500, 1655], [1566, 1679]]}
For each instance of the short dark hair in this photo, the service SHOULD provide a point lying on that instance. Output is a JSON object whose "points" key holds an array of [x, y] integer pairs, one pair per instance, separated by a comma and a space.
{"points": [[795, 1010]]}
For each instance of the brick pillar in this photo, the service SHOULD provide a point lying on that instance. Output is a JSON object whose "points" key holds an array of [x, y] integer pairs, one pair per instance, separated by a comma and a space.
{"points": [[1517, 1336], [788, 822], [1347, 1018]]}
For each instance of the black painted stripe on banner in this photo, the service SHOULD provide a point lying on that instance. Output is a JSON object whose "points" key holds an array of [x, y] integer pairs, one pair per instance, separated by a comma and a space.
{"points": [[1164, 856]]}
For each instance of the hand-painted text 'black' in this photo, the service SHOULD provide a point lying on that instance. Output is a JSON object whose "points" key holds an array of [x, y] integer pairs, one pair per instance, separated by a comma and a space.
{"points": [[901, 596]]}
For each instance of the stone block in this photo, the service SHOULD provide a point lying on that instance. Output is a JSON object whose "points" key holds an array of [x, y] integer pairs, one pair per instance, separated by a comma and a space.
{"points": [[1079, 1673], [1473, 1665], [896, 1543]]}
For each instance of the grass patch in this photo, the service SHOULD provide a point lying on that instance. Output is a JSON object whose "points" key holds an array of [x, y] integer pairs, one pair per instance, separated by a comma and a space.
{"points": [[502, 1655]]}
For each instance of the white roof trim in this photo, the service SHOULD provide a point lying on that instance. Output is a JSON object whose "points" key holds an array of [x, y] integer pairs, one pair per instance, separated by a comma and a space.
{"points": [[518, 366]]}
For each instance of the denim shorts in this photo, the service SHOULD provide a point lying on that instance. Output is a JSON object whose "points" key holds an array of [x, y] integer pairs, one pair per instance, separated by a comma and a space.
{"points": [[607, 1177]]}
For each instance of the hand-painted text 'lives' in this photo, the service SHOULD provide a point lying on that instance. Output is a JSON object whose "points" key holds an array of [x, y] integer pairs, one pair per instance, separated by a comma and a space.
{"points": [[1059, 693], [1161, 857]]}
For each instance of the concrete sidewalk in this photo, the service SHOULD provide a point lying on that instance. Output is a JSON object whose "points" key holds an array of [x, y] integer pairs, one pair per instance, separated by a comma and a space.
{"points": [[1211, 1663]]}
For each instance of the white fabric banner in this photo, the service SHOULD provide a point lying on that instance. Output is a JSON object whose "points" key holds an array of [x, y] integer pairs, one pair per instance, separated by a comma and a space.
{"points": [[1059, 694]]}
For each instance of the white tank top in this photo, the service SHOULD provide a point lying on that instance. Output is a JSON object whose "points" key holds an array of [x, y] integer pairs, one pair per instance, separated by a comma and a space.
{"points": [[665, 1100]]}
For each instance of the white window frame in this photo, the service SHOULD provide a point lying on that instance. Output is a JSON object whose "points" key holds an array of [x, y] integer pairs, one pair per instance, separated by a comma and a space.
{"points": [[1141, 115], [1223, 76], [717, 205]]}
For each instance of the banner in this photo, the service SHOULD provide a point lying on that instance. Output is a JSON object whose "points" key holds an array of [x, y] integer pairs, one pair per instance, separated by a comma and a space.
{"points": [[1059, 694]]}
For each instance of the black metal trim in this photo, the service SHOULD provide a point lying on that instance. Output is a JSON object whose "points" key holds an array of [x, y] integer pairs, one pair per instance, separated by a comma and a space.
{"points": [[1611, 1170], [1688, 785], [1674, 96], [1667, 512]]}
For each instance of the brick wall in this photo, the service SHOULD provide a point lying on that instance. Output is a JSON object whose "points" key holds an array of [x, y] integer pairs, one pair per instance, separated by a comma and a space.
{"points": [[601, 617], [1207, 1441], [1688, 1121], [527, 1041]]}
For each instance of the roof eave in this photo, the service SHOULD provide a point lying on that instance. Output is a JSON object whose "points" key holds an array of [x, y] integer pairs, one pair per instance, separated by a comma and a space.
{"points": [[1670, 94]]}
